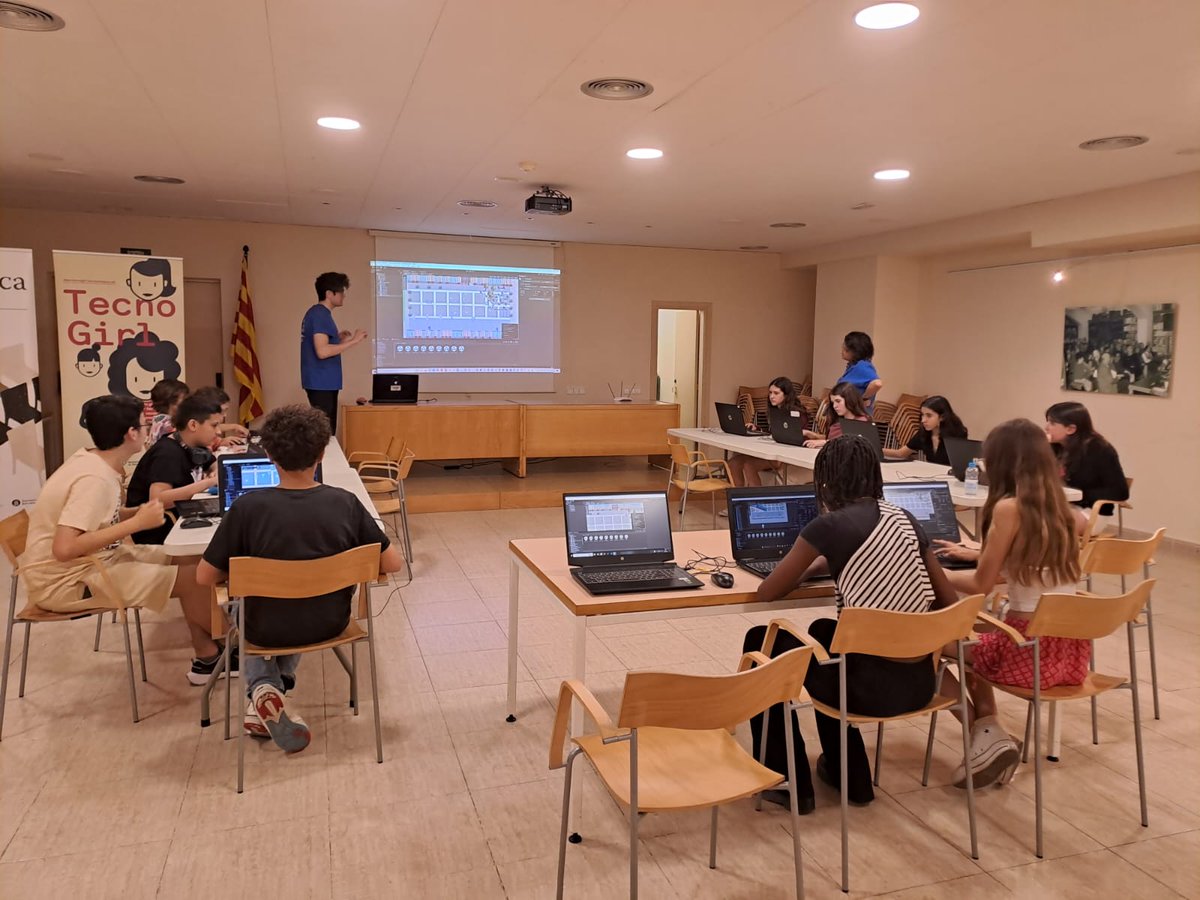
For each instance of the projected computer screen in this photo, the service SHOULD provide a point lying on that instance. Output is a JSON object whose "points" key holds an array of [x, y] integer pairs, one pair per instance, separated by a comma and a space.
{"points": [[439, 318]]}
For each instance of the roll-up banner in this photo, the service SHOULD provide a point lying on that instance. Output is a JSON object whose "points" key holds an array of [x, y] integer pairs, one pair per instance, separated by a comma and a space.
{"points": [[22, 453], [120, 330]]}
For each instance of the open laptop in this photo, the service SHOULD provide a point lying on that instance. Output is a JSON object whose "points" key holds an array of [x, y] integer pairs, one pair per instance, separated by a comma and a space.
{"points": [[764, 523], [241, 473], [396, 387], [620, 543], [871, 433], [930, 504], [961, 451], [731, 419], [787, 427]]}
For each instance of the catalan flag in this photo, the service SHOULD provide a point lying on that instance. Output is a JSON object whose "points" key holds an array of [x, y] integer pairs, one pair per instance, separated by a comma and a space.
{"points": [[244, 351]]}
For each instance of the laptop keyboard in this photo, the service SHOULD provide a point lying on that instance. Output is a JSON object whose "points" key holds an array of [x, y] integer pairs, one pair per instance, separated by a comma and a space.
{"points": [[621, 575], [763, 567]]}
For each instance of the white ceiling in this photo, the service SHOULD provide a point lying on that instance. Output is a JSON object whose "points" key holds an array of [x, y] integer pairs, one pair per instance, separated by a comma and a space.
{"points": [[768, 111]]}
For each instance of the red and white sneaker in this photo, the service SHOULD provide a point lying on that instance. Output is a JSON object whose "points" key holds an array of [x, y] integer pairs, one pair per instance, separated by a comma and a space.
{"points": [[290, 733], [253, 724]]}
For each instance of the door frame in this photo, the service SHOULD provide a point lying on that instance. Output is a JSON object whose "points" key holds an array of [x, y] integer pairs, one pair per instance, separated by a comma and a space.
{"points": [[704, 356]]}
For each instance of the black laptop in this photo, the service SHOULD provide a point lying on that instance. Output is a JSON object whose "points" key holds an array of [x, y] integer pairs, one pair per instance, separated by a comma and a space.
{"points": [[731, 419], [241, 473], [961, 451], [394, 387], [930, 504], [871, 433], [787, 426], [764, 523], [620, 543]]}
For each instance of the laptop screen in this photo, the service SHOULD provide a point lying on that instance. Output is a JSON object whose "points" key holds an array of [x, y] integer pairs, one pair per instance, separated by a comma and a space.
{"points": [[764, 522], [611, 528], [394, 387], [240, 474], [930, 504]]}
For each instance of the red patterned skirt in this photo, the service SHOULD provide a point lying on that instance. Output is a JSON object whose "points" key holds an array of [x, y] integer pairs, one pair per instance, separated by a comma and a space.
{"points": [[998, 659]]}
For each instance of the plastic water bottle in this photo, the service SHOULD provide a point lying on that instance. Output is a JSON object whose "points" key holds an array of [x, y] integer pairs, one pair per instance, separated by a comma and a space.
{"points": [[971, 480]]}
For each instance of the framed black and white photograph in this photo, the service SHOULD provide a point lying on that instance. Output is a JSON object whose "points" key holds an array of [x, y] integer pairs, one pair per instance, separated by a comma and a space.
{"points": [[1119, 349]]}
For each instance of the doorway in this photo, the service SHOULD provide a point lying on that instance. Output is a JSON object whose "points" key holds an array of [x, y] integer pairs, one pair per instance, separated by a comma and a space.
{"points": [[205, 340], [680, 342]]}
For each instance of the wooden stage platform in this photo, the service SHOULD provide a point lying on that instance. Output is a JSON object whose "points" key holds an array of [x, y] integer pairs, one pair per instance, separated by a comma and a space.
{"points": [[430, 488]]}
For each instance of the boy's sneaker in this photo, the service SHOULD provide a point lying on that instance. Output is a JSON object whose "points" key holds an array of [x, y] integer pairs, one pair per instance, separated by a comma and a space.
{"points": [[202, 669], [289, 732], [253, 724], [993, 754]]}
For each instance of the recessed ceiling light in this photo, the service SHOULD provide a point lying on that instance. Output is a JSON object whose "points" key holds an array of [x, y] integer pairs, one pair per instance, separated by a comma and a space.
{"points": [[1117, 142], [337, 123], [1058, 276], [22, 17], [617, 88], [644, 153], [478, 204], [882, 16], [892, 174], [158, 179], [788, 225], [754, 247]]}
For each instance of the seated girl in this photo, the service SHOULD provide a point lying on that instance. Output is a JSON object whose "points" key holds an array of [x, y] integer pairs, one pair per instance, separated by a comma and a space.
{"points": [[1029, 539], [1087, 461], [845, 402], [938, 421], [781, 395], [855, 525]]}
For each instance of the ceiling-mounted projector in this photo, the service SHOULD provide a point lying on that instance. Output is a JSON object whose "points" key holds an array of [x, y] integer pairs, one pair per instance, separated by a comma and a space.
{"points": [[548, 202]]}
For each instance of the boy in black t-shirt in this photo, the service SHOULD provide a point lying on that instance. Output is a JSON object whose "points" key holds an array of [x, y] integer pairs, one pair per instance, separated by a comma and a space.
{"points": [[300, 519], [168, 471]]}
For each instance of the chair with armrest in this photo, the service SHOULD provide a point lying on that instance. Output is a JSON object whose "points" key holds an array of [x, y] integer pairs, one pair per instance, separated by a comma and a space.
{"points": [[14, 533], [692, 466], [291, 579], [389, 478], [1096, 514], [879, 632], [1086, 617], [671, 747], [362, 458]]}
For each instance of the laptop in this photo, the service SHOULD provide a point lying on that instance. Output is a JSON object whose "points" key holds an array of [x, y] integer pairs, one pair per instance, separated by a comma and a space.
{"points": [[961, 451], [764, 523], [620, 543], [731, 419], [871, 433], [396, 387], [930, 504], [242, 473], [787, 427]]}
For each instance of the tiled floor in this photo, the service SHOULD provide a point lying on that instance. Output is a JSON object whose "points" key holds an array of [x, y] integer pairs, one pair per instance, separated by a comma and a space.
{"points": [[464, 805]]}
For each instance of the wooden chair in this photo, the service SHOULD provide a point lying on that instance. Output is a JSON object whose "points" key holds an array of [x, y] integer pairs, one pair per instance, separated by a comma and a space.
{"points": [[1095, 515], [804, 386], [672, 748], [1082, 617], [881, 632], [360, 458], [389, 478], [692, 465], [811, 407], [883, 412], [760, 403], [1115, 556], [14, 533], [906, 422], [290, 579], [913, 400]]}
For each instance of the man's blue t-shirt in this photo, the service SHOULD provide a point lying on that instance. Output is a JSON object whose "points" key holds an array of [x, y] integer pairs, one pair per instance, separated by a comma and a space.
{"points": [[860, 374], [319, 374]]}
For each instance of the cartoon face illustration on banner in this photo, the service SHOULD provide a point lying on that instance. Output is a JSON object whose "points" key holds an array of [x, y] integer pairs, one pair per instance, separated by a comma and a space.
{"points": [[88, 361], [139, 363], [150, 279]]}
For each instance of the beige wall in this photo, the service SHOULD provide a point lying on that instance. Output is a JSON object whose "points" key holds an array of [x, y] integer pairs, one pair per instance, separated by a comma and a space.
{"points": [[761, 321], [845, 301]]}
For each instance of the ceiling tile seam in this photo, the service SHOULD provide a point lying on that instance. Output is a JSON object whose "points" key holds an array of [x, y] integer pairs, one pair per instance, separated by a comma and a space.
{"points": [[383, 153], [180, 144]]}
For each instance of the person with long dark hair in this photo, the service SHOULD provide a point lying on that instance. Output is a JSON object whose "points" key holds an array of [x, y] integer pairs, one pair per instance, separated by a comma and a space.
{"points": [[878, 557], [845, 402], [781, 395], [858, 350], [1087, 461], [1029, 539], [938, 421]]}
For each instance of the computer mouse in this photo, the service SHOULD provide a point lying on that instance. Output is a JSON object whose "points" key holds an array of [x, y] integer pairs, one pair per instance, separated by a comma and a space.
{"points": [[195, 523], [722, 579]]}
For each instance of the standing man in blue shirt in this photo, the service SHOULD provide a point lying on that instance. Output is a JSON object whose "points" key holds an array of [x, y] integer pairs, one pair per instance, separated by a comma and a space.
{"points": [[322, 346]]}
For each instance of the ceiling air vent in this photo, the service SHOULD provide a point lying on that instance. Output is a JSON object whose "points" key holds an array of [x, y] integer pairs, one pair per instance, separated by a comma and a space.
{"points": [[1118, 142], [617, 88], [20, 17], [478, 204]]}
